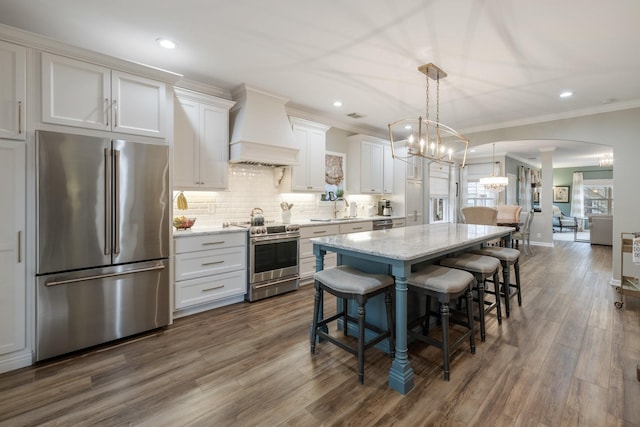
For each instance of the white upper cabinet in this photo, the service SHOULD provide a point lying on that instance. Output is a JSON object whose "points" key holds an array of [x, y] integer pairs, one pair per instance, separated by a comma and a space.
{"points": [[76, 93], [370, 168], [13, 71], [311, 139], [387, 167], [201, 141]]}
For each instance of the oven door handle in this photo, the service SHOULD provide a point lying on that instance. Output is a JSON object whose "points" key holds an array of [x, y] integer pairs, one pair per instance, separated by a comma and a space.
{"points": [[277, 282], [262, 240]]}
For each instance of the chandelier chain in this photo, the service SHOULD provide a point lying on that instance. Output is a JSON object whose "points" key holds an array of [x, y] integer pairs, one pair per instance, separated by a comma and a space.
{"points": [[426, 107], [438, 98]]}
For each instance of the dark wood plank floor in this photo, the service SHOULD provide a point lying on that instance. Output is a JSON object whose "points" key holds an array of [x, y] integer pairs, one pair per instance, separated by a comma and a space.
{"points": [[566, 357]]}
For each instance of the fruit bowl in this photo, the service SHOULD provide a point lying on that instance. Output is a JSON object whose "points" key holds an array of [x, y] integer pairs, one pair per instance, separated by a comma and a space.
{"points": [[183, 223]]}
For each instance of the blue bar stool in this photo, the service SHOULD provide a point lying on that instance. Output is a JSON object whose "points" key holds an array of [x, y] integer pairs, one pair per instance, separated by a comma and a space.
{"points": [[482, 267], [349, 283], [445, 284]]}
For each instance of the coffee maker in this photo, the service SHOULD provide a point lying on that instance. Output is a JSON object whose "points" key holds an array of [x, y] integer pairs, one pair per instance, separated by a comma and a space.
{"points": [[384, 207]]}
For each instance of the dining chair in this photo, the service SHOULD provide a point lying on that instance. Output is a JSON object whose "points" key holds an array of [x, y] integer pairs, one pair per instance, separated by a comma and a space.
{"points": [[482, 215], [508, 214], [524, 234]]}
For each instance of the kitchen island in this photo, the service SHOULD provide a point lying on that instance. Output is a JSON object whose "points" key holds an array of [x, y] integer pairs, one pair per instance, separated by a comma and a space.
{"points": [[394, 251]]}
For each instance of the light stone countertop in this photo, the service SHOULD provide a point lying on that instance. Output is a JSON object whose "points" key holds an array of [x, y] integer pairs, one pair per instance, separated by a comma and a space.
{"points": [[309, 222], [413, 242]]}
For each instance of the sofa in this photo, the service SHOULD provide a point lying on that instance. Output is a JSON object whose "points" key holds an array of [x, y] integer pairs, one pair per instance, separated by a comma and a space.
{"points": [[601, 230]]}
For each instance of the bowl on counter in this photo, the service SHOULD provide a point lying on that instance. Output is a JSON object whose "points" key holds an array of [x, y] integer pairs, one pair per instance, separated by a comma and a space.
{"points": [[183, 222]]}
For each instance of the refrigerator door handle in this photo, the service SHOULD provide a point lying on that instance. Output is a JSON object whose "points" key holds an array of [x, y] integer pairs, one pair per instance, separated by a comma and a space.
{"points": [[102, 276], [116, 201], [107, 201]]}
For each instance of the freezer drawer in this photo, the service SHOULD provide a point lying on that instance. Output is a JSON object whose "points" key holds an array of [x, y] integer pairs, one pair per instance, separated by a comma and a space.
{"points": [[85, 308]]}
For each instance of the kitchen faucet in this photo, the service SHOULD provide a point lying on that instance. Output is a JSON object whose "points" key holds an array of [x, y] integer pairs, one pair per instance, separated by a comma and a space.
{"points": [[335, 206]]}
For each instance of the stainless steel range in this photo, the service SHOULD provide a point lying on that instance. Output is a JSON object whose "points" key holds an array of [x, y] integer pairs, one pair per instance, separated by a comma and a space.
{"points": [[273, 260]]}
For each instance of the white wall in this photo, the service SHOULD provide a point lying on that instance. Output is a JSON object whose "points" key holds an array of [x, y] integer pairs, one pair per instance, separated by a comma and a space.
{"points": [[619, 129]]}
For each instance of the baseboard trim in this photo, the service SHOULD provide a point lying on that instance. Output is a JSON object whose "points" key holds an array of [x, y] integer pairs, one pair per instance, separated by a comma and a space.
{"points": [[13, 361]]}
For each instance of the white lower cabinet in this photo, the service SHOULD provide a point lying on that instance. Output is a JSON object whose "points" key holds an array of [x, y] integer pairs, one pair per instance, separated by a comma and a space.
{"points": [[356, 227], [13, 352], [400, 222], [210, 268], [307, 260]]}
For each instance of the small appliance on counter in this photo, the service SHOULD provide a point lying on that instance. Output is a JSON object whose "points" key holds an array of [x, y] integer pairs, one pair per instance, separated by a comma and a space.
{"points": [[384, 207], [257, 216]]}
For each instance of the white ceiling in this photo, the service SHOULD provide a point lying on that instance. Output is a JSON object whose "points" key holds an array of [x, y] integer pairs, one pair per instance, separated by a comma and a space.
{"points": [[507, 61]]}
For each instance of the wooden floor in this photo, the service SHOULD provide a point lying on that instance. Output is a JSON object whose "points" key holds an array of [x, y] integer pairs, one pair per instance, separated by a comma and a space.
{"points": [[566, 357]]}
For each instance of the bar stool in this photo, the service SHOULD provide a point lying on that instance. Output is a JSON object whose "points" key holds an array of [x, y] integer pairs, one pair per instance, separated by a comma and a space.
{"points": [[507, 257], [482, 267], [349, 283], [445, 284]]}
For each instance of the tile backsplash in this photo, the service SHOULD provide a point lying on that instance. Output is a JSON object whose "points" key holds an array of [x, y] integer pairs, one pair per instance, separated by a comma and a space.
{"points": [[252, 186]]}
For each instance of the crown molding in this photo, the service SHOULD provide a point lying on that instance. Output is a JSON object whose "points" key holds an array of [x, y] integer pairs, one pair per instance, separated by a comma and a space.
{"points": [[41, 43]]}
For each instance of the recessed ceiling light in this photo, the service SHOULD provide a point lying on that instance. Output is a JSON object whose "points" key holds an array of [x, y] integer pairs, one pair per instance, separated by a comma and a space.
{"points": [[166, 43], [472, 150], [566, 94], [337, 103], [407, 127]]}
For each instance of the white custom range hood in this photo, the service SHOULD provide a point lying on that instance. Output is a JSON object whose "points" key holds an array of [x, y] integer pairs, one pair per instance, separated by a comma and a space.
{"points": [[260, 129]]}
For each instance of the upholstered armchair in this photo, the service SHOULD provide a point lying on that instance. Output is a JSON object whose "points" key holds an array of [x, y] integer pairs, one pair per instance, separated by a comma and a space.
{"points": [[479, 215], [508, 214], [561, 221]]}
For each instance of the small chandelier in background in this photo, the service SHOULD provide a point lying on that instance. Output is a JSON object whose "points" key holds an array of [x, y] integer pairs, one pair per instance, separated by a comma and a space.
{"points": [[494, 183], [427, 142], [606, 161]]}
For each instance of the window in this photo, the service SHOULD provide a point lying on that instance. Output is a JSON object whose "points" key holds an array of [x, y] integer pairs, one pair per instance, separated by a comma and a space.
{"points": [[598, 197], [474, 194], [477, 195]]}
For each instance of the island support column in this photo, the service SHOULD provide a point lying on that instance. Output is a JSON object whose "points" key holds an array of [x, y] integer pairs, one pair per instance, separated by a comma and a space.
{"points": [[401, 373]]}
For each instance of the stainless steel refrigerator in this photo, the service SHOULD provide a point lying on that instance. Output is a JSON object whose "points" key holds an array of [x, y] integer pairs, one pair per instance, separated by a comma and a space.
{"points": [[102, 240]]}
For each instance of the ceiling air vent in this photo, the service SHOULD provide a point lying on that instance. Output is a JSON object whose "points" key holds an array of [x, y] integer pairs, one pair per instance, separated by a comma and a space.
{"points": [[355, 115]]}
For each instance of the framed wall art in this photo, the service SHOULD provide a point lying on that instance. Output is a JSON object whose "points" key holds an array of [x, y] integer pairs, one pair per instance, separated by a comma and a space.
{"points": [[561, 194], [334, 174]]}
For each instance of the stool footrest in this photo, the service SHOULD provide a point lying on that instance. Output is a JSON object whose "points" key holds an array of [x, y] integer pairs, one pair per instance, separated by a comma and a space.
{"points": [[453, 345]]}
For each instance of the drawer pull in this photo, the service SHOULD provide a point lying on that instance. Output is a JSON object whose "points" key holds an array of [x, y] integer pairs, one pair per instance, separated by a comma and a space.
{"points": [[213, 289], [319, 232], [213, 262], [212, 243], [357, 228]]}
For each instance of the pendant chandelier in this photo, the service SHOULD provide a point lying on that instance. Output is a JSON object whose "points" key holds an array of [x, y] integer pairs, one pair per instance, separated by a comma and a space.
{"points": [[494, 183], [605, 161], [424, 137]]}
